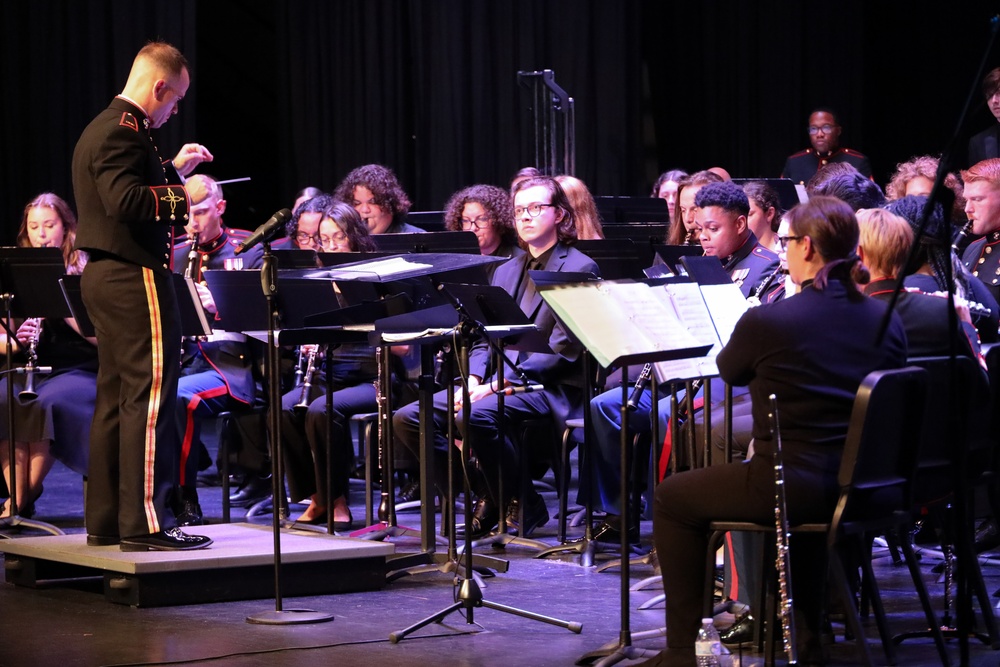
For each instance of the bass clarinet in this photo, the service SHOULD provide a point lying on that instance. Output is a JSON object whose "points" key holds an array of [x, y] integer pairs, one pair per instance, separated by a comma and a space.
{"points": [[782, 533]]}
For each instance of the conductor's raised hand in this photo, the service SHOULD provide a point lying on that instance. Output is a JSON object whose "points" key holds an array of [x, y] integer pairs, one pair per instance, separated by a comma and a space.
{"points": [[189, 157]]}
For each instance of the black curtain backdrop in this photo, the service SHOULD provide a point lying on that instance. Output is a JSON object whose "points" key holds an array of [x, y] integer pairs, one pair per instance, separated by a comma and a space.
{"points": [[295, 93]]}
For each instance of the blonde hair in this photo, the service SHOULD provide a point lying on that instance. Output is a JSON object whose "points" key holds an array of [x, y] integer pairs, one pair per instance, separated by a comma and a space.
{"points": [[886, 239], [73, 259], [588, 220]]}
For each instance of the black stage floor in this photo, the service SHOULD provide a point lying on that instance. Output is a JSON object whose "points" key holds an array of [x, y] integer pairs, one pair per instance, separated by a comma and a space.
{"points": [[69, 624]]}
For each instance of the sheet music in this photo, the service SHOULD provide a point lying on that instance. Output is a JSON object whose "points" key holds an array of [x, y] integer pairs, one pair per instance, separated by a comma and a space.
{"points": [[622, 319], [727, 305], [382, 268]]}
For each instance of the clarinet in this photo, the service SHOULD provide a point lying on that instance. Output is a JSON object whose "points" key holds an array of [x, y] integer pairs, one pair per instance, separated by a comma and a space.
{"points": [[765, 285], [782, 534], [307, 378], [30, 368], [192, 258], [640, 386], [963, 233]]}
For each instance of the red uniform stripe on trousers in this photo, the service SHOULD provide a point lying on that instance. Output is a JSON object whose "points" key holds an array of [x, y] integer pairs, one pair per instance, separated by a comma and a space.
{"points": [[155, 392], [187, 443]]}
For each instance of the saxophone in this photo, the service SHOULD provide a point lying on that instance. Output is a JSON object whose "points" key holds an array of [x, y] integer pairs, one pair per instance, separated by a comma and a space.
{"points": [[782, 557]]}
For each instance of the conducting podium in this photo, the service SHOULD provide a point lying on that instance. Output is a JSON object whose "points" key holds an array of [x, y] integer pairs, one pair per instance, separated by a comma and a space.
{"points": [[675, 327]]}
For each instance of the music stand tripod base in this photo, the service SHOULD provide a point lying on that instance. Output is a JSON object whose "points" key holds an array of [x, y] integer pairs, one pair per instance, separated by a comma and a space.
{"points": [[289, 617]]}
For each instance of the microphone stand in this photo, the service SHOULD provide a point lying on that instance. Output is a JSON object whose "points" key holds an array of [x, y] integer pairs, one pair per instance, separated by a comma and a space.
{"points": [[942, 195], [280, 616], [15, 520]]}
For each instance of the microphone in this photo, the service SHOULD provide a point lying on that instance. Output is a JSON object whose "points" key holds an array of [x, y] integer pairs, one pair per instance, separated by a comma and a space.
{"points": [[265, 231], [522, 389]]}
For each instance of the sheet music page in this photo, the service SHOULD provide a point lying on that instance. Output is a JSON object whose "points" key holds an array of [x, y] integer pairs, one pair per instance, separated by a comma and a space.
{"points": [[382, 268], [727, 305], [618, 319], [688, 303]]}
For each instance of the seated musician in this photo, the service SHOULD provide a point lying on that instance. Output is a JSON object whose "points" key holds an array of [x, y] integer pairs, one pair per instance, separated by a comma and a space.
{"points": [[682, 227], [544, 220], [782, 348], [377, 196], [720, 214], [486, 211], [55, 423], [216, 373], [353, 372]]}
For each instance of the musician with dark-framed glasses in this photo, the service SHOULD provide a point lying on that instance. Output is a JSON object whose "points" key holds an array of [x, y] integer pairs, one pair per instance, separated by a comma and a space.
{"points": [[812, 351]]}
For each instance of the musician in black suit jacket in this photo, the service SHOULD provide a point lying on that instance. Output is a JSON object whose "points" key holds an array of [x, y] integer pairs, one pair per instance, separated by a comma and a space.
{"points": [[127, 204], [544, 220], [986, 144], [782, 348], [216, 373]]}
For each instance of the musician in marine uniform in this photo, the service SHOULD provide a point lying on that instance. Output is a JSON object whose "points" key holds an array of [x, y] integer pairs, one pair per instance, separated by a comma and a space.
{"points": [[217, 372], [982, 205], [824, 135], [128, 199]]}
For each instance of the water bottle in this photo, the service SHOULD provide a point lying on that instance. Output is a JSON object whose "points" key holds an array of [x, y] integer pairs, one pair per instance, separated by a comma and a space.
{"points": [[708, 646]]}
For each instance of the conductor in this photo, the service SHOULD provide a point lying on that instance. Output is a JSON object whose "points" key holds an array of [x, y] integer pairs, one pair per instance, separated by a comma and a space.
{"points": [[128, 199]]}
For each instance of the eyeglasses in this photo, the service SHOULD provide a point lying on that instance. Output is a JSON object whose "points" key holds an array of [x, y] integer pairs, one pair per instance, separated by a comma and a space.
{"points": [[482, 222], [336, 237], [534, 210], [785, 240], [826, 129], [307, 239]]}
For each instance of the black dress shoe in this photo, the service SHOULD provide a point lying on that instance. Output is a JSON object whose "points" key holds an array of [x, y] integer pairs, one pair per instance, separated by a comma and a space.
{"points": [[253, 489], [171, 539], [344, 526], [411, 492], [485, 518], [318, 520], [535, 514], [102, 540], [740, 632], [610, 534], [190, 514], [987, 536]]}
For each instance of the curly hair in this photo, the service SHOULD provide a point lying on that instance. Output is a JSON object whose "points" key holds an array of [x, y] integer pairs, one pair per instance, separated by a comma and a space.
{"points": [[678, 232], [726, 195], [495, 201], [566, 228], [588, 220], [350, 222], [72, 258], [926, 166], [384, 186], [317, 204]]}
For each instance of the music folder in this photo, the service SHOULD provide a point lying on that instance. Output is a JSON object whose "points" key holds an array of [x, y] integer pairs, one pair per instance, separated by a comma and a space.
{"points": [[31, 276]]}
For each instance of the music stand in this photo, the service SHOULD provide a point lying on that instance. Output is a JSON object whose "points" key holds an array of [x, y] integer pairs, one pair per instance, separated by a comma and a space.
{"points": [[470, 593], [460, 242], [268, 281], [29, 281]]}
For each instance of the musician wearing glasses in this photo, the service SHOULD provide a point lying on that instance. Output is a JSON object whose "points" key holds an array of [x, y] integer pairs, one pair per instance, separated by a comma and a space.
{"points": [[303, 228], [217, 372], [720, 211], [52, 412], [824, 135], [353, 370], [544, 221], [486, 211], [797, 349]]}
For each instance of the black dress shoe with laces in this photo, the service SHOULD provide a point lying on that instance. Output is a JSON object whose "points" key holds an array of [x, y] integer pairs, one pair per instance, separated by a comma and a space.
{"points": [[411, 492], [740, 632], [253, 489], [535, 514], [611, 534], [485, 518], [190, 514], [171, 539]]}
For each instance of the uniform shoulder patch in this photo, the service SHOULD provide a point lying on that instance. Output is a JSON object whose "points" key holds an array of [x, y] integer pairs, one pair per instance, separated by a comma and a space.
{"points": [[129, 121], [761, 251]]}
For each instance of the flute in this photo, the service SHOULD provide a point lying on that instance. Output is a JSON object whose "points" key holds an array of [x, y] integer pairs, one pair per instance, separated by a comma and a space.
{"points": [[783, 563]]}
